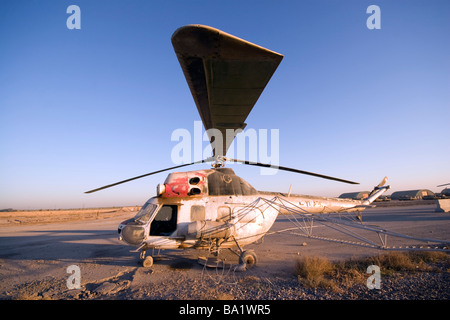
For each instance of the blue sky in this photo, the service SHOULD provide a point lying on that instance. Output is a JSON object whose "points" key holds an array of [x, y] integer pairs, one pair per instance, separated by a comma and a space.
{"points": [[84, 108]]}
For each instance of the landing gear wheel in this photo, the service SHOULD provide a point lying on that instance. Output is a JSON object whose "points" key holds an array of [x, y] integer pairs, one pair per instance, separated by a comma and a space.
{"points": [[148, 262], [247, 259]]}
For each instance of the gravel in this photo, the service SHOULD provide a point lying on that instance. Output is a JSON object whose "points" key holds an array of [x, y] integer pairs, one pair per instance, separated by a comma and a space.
{"points": [[213, 284]]}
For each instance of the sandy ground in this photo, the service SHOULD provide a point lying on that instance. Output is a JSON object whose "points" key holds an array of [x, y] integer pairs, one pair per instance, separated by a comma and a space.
{"points": [[35, 255], [8, 219]]}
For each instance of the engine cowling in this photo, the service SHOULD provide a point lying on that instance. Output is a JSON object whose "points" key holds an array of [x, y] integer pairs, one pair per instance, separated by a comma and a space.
{"points": [[183, 184]]}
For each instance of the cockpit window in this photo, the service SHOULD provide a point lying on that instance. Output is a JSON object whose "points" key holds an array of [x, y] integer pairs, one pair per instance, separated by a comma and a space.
{"points": [[143, 216]]}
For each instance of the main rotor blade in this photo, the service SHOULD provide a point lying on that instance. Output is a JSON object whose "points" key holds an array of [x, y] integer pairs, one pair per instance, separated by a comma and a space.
{"points": [[258, 164], [441, 185], [145, 175]]}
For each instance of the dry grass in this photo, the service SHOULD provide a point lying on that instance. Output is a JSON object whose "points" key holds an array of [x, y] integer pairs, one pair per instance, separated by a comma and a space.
{"points": [[318, 272], [314, 271], [401, 261]]}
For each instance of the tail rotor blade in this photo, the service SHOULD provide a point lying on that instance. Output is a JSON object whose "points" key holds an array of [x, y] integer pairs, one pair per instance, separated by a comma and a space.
{"points": [[383, 182]]}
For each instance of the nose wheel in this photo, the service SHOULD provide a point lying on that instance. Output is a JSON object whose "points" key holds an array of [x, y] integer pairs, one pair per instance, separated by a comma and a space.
{"points": [[147, 261]]}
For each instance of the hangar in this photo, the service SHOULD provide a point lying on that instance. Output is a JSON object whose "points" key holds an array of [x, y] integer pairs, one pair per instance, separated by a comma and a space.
{"points": [[355, 195], [411, 194]]}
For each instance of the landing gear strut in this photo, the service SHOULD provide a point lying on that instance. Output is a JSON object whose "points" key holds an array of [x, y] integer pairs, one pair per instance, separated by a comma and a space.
{"points": [[247, 258]]}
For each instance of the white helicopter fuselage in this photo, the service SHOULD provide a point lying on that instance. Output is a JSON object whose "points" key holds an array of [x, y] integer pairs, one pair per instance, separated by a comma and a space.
{"points": [[199, 221], [198, 209], [232, 220]]}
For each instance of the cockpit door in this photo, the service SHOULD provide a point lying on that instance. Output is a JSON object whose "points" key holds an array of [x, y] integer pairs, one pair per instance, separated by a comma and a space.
{"points": [[165, 221]]}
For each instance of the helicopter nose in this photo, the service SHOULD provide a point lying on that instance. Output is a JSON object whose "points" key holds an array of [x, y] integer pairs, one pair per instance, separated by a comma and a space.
{"points": [[123, 224], [133, 234]]}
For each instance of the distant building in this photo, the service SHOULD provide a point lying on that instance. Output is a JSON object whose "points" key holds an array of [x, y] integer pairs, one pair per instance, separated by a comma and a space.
{"points": [[412, 194], [355, 195]]}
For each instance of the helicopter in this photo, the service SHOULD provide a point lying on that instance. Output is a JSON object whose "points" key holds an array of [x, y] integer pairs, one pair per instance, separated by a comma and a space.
{"points": [[214, 208]]}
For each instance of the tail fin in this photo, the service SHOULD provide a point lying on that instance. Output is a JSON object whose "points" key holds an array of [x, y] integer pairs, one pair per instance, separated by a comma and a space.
{"points": [[376, 192]]}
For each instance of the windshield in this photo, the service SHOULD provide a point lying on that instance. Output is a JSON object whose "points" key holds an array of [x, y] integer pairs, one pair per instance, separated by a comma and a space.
{"points": [[145, 213]]}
